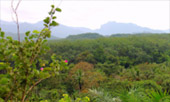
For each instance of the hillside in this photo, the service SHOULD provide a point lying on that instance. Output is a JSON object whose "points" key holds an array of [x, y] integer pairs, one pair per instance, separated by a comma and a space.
{"points": [[134, 48], [84, 36]]}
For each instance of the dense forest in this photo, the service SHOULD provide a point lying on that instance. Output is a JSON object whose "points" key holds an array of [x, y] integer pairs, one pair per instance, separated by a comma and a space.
{"points": [[119, 68], [132, 68], [84, 36]]}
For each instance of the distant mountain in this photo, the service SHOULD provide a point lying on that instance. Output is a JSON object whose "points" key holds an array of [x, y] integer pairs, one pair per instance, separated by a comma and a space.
{"points": [[60, 31], [22, 36], [84, 36], [136, 34], [167, 31], [114, 28], [63, 31]]}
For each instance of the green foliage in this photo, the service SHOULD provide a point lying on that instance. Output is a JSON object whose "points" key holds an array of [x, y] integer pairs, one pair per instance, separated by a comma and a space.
{"points": [[19, 63], [68, 99], [84, 36], [134, 95], [27, 33], [99, 54], [2, 34], [124, 68], [47, 20], [58, 9], [54, 23], [85, 56], [125, 51], [132, 64], [83, 76], [158, 96], [100, 95]]}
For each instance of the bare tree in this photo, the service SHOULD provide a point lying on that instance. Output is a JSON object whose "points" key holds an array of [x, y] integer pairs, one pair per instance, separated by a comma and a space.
{"points": [[14, 10]]}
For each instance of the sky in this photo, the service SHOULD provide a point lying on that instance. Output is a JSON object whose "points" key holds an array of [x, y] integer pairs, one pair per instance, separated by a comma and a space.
{"points": [[154, 14]]}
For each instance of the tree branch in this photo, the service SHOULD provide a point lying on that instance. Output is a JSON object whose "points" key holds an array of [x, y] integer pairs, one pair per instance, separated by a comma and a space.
{"points": [[32, 87], [16, 15]]}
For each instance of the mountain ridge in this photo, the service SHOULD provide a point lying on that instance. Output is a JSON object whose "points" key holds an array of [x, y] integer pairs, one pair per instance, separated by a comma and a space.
{"points": [[63, 31]]}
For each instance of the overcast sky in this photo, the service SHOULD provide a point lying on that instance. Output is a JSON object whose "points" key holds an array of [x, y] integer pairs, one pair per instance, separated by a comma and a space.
{"points": [[92, 14]]}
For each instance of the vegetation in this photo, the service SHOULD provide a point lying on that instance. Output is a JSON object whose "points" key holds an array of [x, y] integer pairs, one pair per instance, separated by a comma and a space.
{"points": [[111, 69], [133, 68], [20, 62], [85, 36], [108, 69]]}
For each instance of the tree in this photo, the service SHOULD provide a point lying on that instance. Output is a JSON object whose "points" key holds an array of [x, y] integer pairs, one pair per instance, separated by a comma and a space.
{"points": [[99, 54], [83, 76], [85, 56], [19, 61]]}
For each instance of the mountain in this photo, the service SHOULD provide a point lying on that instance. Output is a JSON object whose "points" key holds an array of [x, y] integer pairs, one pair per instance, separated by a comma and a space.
{"points": [[22, 36], [167, 31], [114, 28], [60, 31], [63, 31]]}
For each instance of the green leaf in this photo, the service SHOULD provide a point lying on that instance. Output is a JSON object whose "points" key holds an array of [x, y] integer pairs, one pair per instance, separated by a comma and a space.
{"points": [[47, 20], [44, 41], [44, 74], [54, 23], [2, 34], [35, 31], [2, 66], [16, 42], [1, 40], [58, 9], [9, 37], [26, 39], [45, 25], [47, 69], [48, 35], [4, 81], [52, 6], [31, 37], [54, 17], [1, 63], [27, 33], [1, 100]]}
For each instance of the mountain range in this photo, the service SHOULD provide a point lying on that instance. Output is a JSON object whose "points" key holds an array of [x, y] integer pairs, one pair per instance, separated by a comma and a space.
{"points": [[63, 31]]}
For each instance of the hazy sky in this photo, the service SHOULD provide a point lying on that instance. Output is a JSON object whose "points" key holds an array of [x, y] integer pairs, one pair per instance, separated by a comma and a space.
{"points": [[92, 14]]}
